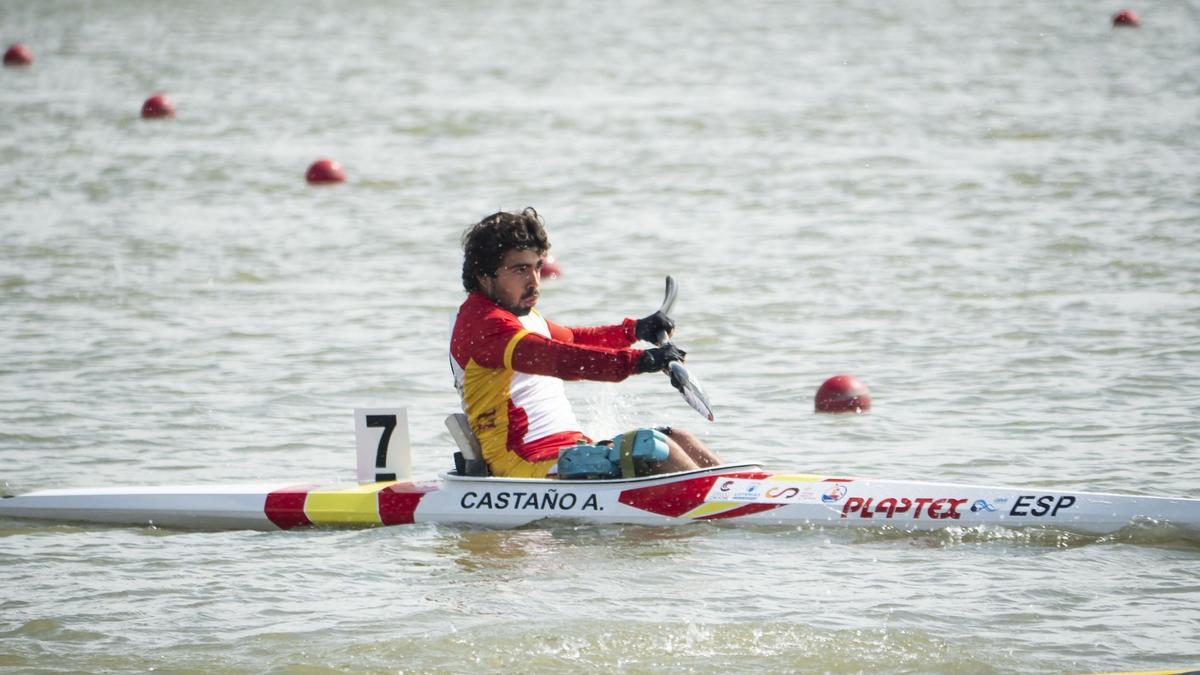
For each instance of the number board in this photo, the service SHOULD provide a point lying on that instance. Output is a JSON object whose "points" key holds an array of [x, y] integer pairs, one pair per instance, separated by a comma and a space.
{"points": [[382, 444]]}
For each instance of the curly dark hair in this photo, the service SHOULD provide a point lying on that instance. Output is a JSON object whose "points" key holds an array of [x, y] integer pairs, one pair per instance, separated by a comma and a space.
{"points": [[486, 242]]}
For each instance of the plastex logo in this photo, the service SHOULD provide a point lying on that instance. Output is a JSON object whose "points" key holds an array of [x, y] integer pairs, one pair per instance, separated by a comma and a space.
{"points": [[914, 508]]}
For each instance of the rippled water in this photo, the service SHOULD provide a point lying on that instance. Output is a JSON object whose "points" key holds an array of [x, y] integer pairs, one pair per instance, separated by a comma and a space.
{"points": [[986, 211]]}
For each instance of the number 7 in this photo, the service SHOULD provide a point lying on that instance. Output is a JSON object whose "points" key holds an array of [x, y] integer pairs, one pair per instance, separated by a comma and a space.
{"points": [[388, 422]]}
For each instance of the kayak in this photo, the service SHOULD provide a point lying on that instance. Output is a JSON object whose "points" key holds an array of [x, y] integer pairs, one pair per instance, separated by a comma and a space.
{"points": [[743, 493]]}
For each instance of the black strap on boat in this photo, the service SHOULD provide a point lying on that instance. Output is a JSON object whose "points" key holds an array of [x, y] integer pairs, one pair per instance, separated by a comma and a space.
{"points": [[626, 450]]}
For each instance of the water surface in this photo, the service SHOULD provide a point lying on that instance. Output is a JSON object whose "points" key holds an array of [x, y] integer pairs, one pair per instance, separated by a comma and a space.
{"points": [[985, 211]]}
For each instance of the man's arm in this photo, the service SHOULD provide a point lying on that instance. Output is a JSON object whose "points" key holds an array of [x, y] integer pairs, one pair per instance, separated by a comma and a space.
{"points": [[619, 336], [538, 355], [499, 341]]}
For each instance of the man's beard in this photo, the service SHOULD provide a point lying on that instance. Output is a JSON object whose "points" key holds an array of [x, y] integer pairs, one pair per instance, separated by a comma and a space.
{"points": [[516, 310]]}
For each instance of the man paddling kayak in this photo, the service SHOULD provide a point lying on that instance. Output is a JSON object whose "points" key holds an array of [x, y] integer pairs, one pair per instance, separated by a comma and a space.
{"points": [[509, 361]]}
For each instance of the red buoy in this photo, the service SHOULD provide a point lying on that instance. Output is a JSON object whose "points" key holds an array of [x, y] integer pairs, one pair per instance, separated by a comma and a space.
{"points": [[325, 171], [18, 55], [843, 393], [158, 105], [550, 268], [1126, 17]]}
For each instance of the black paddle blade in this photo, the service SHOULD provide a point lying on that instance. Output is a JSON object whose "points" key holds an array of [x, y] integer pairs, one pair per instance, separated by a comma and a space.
{"points": [[692, 392]]}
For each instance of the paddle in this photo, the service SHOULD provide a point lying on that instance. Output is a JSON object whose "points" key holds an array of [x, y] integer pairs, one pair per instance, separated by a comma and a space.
{"points": [[687, 385]]}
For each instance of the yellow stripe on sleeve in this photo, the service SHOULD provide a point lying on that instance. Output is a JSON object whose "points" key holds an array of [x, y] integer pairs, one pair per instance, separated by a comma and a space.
{"points": [[512, 347]]}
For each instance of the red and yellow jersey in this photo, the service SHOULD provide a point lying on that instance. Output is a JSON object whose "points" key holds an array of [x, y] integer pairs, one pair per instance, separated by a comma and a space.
{"points": [[509, 371]]}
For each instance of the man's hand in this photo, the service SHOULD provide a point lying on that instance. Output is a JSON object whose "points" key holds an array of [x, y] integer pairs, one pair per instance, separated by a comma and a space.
{"points": [[658, 358], [649, 327]]}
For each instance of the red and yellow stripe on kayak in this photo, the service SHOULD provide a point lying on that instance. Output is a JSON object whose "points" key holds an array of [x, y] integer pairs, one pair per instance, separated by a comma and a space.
{"points": [[383, 503]]}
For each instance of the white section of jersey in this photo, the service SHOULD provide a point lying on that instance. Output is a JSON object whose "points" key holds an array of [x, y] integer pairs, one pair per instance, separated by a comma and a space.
{"points": [[459, 374], [543, 398]]}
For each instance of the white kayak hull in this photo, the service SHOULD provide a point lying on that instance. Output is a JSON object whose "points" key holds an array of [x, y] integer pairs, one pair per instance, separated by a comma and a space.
{"points": [[742, 493]]}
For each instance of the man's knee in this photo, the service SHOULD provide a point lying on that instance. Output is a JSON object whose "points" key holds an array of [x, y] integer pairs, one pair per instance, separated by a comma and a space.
{"points": [[679, 436]]}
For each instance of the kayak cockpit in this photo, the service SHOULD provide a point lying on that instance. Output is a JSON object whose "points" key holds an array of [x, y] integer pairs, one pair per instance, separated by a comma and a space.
{"points": [[740, 468], [469, 464]]}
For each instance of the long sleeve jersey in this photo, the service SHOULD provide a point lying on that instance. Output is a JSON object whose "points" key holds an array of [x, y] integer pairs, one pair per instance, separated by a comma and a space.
{"points": [[509, 371]]}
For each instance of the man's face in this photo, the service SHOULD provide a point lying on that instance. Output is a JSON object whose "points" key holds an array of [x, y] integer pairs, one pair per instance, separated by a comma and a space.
{"points": [[515, 286]]}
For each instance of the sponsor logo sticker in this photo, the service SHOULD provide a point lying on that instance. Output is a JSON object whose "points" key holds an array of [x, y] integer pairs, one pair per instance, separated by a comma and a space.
{"points": [[929, 508], [834, 494], [770, 492], [982, 505], [734, 490]]}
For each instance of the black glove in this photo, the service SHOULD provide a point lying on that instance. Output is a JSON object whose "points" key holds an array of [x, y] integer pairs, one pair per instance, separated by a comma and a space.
{"points": [[656, 359], [649, 327]]}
